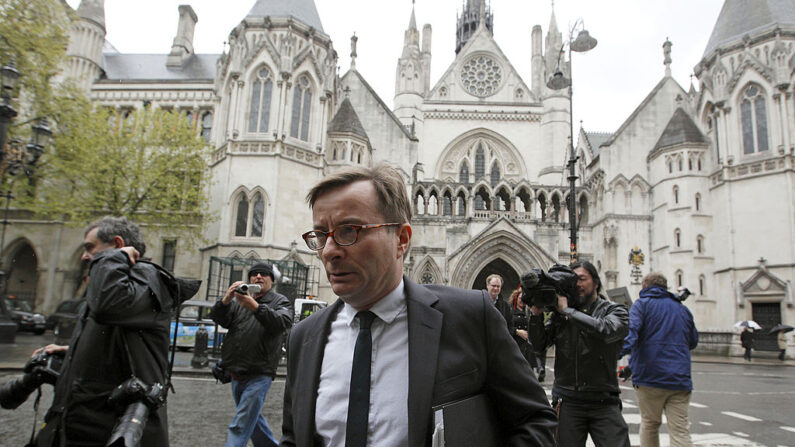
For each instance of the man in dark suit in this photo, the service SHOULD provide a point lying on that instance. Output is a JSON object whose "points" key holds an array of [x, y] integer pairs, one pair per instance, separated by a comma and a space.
{"points": [[422, 345], [494, 287]]}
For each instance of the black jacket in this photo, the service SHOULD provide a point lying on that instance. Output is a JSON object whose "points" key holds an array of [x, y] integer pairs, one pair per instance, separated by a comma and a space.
{"points": [[587, 345], [254, 341], [505, 310], [123, 302]]}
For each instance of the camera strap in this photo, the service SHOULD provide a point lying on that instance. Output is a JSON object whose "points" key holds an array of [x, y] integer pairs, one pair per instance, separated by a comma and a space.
{"points": [[170, 385], [32, 442]]}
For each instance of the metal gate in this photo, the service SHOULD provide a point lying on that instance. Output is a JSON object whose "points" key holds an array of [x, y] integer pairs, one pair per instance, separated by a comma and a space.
{"points": [[297, 280]]}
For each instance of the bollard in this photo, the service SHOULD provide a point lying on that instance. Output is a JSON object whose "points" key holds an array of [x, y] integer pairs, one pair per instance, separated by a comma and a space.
{"points": [[199, 359]]}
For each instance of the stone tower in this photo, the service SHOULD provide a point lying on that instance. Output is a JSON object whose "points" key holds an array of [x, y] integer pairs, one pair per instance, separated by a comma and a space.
{"points": [[412, 77], [84, 55]]}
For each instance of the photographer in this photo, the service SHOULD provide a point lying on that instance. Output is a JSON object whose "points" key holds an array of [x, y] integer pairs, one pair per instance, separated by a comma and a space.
{"points": [[251, 351], [122, 333], [661, 327], [587, 331]]}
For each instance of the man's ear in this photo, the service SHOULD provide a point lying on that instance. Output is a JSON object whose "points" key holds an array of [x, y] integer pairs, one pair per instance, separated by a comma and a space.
{"points": [[118, 242], [404, 238]]}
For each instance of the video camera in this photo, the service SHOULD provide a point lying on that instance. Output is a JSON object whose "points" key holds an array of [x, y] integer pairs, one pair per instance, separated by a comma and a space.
{"points": [[541, 288], [41, 368], [136, 400], [251, 289]]}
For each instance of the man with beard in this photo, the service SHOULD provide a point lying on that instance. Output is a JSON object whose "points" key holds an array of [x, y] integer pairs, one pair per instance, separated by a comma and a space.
{"points": [[251, 351], [588, 336]]}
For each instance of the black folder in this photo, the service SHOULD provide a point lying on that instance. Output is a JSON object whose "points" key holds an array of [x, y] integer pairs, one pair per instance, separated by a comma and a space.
{"points": [[468, 422]]}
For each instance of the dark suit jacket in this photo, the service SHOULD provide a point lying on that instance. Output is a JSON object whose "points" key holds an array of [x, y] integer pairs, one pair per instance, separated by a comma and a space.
{"points": [[458, 347]]}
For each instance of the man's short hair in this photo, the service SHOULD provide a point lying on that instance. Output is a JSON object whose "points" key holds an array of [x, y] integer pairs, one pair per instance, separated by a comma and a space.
{"points": [[492, 276], [591, 271], [109, 227], [390, 189], [655, 279]]}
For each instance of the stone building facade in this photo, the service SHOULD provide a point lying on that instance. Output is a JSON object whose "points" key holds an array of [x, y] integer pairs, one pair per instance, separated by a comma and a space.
{"points": [[697, 183]]}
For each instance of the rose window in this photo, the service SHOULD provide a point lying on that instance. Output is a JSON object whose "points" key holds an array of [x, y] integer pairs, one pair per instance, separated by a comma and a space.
{"points": [[481, 76]]}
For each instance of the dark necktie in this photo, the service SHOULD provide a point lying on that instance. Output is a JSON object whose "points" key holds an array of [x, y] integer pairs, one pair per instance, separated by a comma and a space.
{"points": [[359, 398]]}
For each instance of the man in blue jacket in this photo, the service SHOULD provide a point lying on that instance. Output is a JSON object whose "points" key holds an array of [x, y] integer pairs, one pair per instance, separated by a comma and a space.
{"points": [[661, 335]]}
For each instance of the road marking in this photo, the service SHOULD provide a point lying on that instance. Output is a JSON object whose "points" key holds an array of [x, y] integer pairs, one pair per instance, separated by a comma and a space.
{"points": [[739, 433], [697, 405], [195, 379], [708, 424], [626, 388], [628, 404], [635, 418], [784, 427], [741, 416]]}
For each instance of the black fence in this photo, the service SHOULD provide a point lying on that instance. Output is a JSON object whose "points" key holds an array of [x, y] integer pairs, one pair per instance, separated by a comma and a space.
{"points": [[297, 280]]}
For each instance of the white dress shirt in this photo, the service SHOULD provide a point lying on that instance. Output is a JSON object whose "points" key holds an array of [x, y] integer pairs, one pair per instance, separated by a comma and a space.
{"points": [[389, 380]]}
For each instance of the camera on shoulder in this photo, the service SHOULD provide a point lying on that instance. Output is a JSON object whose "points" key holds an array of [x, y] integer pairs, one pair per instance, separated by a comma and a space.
{"points": [[541, 288]]}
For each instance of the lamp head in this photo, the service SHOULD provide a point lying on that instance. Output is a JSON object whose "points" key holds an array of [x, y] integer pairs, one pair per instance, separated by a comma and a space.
{"points": [[10, 76], [558, 81], [584, 42]]}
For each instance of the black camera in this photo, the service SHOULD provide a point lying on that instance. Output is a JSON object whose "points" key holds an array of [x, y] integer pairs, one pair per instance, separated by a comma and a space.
{"points": [[250, 289], [684, 292], [136, 400], [541, 288], [41, 368]]}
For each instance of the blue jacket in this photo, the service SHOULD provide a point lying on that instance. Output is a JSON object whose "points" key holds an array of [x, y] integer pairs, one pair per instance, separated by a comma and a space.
{"points": [[661, 335]]}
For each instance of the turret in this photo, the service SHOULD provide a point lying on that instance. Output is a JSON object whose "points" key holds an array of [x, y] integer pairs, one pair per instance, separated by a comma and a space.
{"points": [[426, 57], [555, 118], [413, 69], [469, 20], [537, 62], [87, 37]]}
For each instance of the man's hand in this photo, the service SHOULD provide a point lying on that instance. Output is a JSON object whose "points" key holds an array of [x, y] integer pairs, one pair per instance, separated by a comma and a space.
{"points": [[563, 303], [49, 349], [132, 253], [535, 310], [244, 299], [522, 334], [230, 292]]}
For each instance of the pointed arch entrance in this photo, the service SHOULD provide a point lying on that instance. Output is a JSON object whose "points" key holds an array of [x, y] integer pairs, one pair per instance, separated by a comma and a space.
{"points": [[23, 272], [510, 278]]}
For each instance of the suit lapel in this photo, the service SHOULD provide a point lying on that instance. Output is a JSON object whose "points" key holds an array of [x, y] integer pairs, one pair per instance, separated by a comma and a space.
{"points": [[311, 361], [425, 327]]}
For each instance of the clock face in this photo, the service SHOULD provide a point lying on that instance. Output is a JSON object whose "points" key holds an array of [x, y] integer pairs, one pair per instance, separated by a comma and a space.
{"points": [[481, 76]]}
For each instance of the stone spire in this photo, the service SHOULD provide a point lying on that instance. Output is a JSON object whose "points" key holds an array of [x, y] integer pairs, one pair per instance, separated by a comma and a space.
{"points": [[354, 40], [469, 21], [667, 57]]}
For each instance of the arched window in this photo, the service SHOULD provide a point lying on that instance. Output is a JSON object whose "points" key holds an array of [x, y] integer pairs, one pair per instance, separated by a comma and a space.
{"points": [[677, 238], [207, 125], [258, 216], [700, 244], [447, 205], [679, 278], [302, 104], [698, 202], [753, 112], [702, 285], [670, 166], [480, 163], [241, 223], [679, 160], [676, 194], [420, 204], [260, 107], [698, 163], [461, 206], [689, 164], [583, 210], [495, 174], [463, 173]]}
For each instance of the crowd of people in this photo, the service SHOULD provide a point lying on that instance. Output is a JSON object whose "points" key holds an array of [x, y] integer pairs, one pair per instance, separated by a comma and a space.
{"points": [[374, 367]]}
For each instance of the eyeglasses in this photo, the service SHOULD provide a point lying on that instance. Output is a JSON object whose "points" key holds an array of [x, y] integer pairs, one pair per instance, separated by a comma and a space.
{"points": [[343, 235]]}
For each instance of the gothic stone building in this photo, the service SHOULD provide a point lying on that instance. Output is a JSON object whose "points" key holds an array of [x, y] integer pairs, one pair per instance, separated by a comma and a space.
{"points": [[699, 181]]}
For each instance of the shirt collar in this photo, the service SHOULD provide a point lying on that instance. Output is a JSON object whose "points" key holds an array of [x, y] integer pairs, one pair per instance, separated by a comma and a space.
{"points": [[386, 309]]}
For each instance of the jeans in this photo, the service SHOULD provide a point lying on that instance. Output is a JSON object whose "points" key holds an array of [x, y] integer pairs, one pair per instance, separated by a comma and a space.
{"points": [[578, 419], [249, 423], [652, 402]]}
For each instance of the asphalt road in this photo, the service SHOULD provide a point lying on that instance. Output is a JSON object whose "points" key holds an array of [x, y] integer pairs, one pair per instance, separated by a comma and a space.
{"points": [[732, 405]]}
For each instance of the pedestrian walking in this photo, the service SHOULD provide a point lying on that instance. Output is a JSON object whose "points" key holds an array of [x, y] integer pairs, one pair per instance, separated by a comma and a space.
{"points": [[661, 335], [747, 341], [782, 345]]}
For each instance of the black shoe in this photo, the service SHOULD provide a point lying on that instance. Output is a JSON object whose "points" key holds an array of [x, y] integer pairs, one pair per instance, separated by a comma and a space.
{"points": [[541, 375]]}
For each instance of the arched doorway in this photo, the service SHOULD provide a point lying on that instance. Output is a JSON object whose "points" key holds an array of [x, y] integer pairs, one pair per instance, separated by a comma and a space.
{"points": [[23, 274], [502, 268]]}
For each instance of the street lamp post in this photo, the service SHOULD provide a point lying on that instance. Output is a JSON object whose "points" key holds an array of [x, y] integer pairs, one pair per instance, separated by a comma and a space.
{"points": [[14, 157], [584, 42]]}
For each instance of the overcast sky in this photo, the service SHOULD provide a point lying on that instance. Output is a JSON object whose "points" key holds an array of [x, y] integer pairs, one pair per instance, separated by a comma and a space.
{"points": [[610, 81]]}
